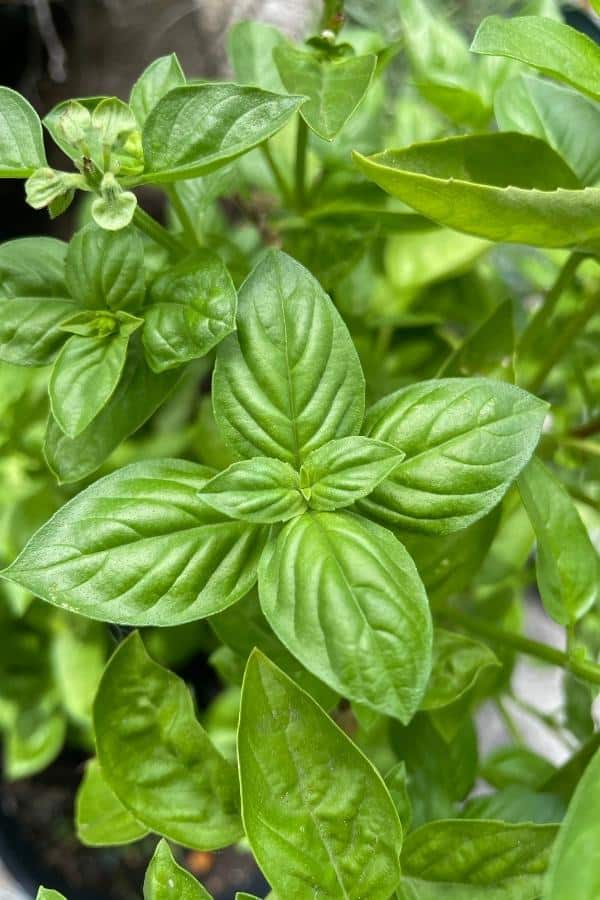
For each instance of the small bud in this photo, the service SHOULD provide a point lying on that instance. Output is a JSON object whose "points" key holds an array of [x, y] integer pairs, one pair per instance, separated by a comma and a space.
{"points": [[74, 123], [46, 186], [114, 208]]}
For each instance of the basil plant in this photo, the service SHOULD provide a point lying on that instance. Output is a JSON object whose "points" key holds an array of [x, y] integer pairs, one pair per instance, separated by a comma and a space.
{"points": [[333, 425]]}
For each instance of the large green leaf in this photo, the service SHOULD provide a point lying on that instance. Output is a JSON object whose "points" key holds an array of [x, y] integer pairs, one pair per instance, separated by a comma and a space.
{"points": [[344, 596], [106, 268], [567, 563], [21, 142], [192, 308], [100, 817], [457, 662], [259, 490], [33, 267], [334, 87], [551, 47], [158, 79], [250, 46], [574, 870], [503, 187], [289, 380], [197, 128], [166, 880], [139, 547], [525, 888], [317, 814], [157, 758], [465, 439]]}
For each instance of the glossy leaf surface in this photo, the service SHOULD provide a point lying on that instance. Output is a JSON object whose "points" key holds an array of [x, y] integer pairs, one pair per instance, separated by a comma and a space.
{"points": [[100, 817], [166, 880], [158, 79], [258, 490]]}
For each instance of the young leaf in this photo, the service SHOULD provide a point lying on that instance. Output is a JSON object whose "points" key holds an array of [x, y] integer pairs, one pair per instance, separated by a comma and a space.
{"points": [[258, 490], [21, 142], [48, 894], [100, 817], [457, 662], [552, 47], [158, 79], [157, 758], [250, 47], [502, 186], [289, 380], [517, 804], [106, 268], [192, 308], [317, 814], [334, 88], [465, 439], [85, 376], [574, 871], [166, 880], [516, 766], [396, 782], [343, 470], [138, 547], [567, 563], [233, 118], [35, 739], [344, 596], [488, 350]]}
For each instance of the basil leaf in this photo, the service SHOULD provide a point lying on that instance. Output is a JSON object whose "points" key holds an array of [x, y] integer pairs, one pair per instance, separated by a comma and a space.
{"points": [[573, 870], [457, 662], [48, 894], [138, 547], [396, 782], [526, 888], [556, 114], [465, 439], [165, 880], [567, 563], [289, 380], [235, 119], [342, 471], [35, 738], [193, 308], [85, 376], [552, 47], [344, 596], [516, 766], [33, 267], [334, 88], [100, 817], [250, 48], [489, 349], [106, 268], [416, 259], [78, 652], [502, 186], [157, 758], [312, 804], [516, 804], [139, 393], [477, 851], [21, 142], [243, 626], [256, 490], [160, 77]]}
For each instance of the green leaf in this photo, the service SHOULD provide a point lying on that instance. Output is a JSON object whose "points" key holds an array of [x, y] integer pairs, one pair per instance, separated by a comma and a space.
{"points": [[48, 894], [79, 650], [477, 851], [416, 259], [574, 871], [516, 804], [457, 662], [343, 470], [106, 269], [157, 758], [234, 120], [547, 45], [193, 309], [33, 267], [312, 804], [161, 76], [502, 186], [100, 817], [84, 378], [566, 120], [166, 880], [138, 547], [112, 119], [139, 393], [488, 350], [516, 766], [289, 380], [250, 48], [35, 739], [258, 490], [334, 88], [396, 782], [525, 888], [465, 439], [21, 142], [115, 209], [567, 564], [344, 596]]}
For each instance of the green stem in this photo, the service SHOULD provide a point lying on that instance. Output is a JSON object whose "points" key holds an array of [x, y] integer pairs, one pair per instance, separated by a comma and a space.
{"points": [[541, 318], [580, 668], [511, 727], [280, 181], [156, 231], [182, 215], [301, 147]]}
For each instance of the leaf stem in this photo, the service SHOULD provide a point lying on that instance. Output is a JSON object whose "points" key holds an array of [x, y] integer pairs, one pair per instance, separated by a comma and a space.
{"points": [[578, 667], [182, 215], [541, 318], [156, 231], [282, 185], [301, 147]]}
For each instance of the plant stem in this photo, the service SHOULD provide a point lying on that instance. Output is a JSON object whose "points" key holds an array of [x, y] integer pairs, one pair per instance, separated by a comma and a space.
{"points": [[539, 321], [182, 215], [301, 147], [511, 726], [280, 181], [156, 231], [580, 668]]}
